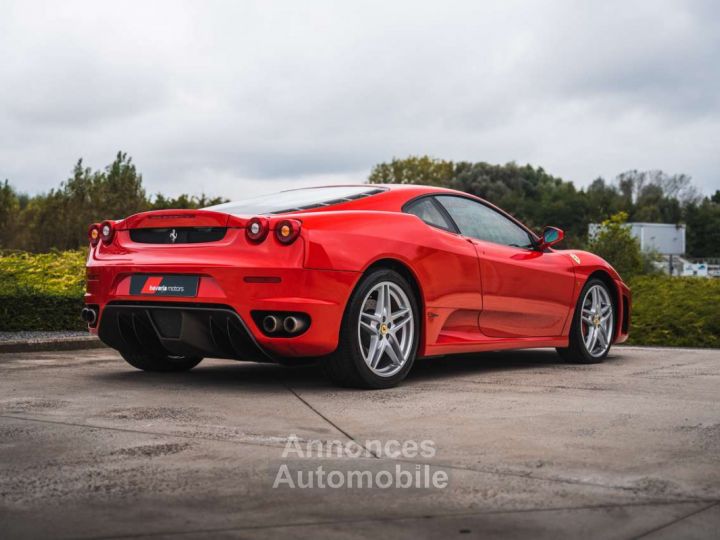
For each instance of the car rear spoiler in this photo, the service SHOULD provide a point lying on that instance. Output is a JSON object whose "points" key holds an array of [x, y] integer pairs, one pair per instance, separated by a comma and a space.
{"points": [[180, 218]]}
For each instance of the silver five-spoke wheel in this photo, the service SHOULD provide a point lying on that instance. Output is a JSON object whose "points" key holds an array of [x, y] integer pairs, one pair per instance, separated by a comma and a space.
{"points": [[385, 329], [597, 320]]}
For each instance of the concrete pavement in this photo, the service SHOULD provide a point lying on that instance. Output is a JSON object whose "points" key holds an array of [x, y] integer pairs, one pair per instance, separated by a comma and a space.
{"points": [[91, 448]]}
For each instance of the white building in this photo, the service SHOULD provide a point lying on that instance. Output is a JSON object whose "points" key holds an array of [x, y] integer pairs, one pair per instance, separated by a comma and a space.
{"points": [[663, 238], [667, 240]]}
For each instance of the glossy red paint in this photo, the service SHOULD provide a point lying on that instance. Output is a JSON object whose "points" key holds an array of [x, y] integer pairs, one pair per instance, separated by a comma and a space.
{"points": [[474, 295]]}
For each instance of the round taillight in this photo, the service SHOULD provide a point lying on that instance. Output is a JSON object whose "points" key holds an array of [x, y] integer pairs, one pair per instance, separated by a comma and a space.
{"points": [[94, 234], [106, 232], [287, 230], [257, 229]]}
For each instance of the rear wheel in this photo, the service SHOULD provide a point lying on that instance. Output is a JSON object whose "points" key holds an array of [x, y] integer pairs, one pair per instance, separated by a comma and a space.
{"points": [[379, 334], [593, 326], [160, 362]]}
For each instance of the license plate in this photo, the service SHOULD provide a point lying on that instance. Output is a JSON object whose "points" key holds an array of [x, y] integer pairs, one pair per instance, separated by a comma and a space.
{"points": [[144, 285]]}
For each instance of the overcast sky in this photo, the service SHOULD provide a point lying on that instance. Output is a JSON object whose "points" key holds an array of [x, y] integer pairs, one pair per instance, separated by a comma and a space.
{"points": [[232, 98]]}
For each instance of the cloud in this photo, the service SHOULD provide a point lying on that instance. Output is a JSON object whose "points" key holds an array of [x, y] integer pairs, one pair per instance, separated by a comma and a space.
{"points": [[231, 97]]}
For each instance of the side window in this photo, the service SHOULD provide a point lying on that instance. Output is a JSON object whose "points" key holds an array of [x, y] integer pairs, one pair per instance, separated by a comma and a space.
{"points": [[479, 221], [426, 210]]}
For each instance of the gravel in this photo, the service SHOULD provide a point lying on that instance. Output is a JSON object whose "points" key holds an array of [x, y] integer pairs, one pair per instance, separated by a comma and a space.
{"points": [[41, 336]]}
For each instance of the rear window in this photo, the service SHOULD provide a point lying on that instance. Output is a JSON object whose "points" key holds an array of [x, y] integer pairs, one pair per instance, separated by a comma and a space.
{"points": [[296, 199]]}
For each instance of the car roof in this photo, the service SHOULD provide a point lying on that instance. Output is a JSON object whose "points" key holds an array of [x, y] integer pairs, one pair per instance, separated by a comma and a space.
{"points": [[392, 198], [383, 197], [395, 196]]}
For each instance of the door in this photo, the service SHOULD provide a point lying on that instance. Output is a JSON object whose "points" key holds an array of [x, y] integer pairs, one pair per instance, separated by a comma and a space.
{"points": [[526, 292]]}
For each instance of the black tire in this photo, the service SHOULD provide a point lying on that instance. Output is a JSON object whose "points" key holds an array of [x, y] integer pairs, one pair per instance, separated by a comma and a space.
{"points": [[160, 362], [577, 352], [346, 366]]}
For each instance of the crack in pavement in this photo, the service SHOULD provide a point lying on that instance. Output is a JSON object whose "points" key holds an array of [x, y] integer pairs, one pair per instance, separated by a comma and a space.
{"points": [[139, 431], [326, 419], [676, 520]]}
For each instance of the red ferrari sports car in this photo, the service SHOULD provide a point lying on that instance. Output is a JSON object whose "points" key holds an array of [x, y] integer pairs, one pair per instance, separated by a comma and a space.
{"points": [[364, 278]]}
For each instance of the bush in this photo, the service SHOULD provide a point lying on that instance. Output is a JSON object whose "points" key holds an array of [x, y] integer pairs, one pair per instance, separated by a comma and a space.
{"points": [[681, 312], [56, 273], [40, 312], [615, 243], [41, 291]]}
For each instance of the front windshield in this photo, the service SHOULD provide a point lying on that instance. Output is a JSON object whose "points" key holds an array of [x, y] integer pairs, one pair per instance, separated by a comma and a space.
{"points": [[295, 200]]}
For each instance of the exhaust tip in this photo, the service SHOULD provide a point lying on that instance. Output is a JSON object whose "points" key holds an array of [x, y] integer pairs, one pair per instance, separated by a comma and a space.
{"points": [[89, 315], [271, 324], [293, 325]]}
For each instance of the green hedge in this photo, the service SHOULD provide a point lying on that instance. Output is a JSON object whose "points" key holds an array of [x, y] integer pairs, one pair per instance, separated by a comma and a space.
{"points": [[41, 291], [681, 312], [56, 273], [44, 292], [35, 312]]}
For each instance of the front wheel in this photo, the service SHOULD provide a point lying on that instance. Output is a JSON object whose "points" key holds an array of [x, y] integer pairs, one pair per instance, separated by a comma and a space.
{"points": [[593, 326], [379, 334], [160, 362]]}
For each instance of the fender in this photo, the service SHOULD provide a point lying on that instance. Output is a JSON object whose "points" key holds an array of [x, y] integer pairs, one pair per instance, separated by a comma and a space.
{"points": [[588, 264]]}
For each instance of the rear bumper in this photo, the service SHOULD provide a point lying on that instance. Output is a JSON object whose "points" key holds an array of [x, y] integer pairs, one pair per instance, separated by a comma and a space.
{"points": [[179, 329], [233, 293]]}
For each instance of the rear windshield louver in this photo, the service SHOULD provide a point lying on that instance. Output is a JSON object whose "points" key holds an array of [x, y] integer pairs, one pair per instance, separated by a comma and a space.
{"points": [[330, 202], [178, 235]]}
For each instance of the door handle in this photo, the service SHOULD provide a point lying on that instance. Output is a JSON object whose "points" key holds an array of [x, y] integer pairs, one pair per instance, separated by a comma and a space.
{"points": [[477, 245]]}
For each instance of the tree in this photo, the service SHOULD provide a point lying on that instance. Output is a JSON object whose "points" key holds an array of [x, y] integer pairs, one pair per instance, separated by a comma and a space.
{"points": [[119, 190], [614, 243], [673, 186], [603, 199], [60, 218], [184, 201], [654, 206], [703, 229], [413, 170], [9, 212]]}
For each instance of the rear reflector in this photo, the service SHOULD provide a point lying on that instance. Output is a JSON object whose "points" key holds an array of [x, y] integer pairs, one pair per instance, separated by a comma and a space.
{"points": [[262, 279]]}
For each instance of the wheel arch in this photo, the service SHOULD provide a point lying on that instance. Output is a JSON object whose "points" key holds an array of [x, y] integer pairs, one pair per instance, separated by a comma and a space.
{"points": [[607, 279], [406, 272]]}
